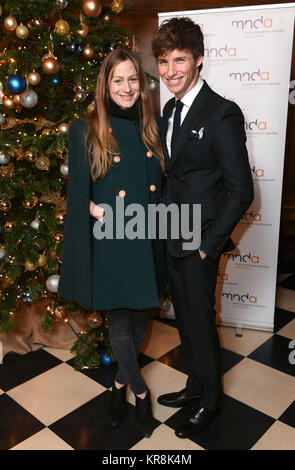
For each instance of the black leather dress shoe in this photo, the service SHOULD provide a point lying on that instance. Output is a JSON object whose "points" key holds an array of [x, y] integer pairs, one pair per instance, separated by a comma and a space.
{"points": [[199, 421], [178, 399]]}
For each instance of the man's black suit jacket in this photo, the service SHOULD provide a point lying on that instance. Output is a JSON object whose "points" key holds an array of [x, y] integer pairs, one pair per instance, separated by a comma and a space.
{"points": [[210, 168]]}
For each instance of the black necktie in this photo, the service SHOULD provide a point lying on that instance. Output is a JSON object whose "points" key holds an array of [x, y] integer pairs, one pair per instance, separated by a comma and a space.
{"points": [[176, 121]]}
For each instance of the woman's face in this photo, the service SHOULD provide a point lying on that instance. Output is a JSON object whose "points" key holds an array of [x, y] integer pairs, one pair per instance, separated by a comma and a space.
{"points": [[124, 85]]}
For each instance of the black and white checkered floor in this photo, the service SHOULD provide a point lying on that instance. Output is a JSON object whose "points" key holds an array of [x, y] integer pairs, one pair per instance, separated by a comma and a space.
{"points": [[46, 404]]}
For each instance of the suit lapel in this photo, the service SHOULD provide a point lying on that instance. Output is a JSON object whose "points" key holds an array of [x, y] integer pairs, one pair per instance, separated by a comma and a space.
{"points": [[193, 119]]}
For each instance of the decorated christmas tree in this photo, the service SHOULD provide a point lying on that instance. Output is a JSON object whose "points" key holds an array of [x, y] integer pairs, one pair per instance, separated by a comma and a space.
{"points": [[51, 51]]}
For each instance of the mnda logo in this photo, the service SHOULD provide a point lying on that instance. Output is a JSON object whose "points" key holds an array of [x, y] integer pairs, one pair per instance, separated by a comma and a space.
{"points": [[256, 125], [258, 173], [246, 259], [240, 298], [250, 76], [257, 23], [222, 52], [252, 217]]}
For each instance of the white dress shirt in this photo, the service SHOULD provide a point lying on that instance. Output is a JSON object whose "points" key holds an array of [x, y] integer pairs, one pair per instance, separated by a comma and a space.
{"points": [[187, 101]]}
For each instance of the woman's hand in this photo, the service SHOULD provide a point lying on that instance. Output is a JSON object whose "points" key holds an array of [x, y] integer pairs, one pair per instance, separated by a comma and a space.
{"points": [[96, 211]]}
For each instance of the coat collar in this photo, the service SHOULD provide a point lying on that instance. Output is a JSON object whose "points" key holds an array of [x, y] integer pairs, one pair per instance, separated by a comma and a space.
{"points": [[193, 117]]}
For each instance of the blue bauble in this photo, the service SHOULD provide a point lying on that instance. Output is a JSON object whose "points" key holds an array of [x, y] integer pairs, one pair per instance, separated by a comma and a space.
{"points": [[16, 84], [56, 80], [106, 360]]}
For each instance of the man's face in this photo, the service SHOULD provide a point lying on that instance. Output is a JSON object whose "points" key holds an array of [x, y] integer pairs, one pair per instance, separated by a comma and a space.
{"points": [[179, 71]]}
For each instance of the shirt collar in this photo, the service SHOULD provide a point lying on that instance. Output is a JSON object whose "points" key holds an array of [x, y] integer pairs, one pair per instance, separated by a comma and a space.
{"points": [[190, 96]]}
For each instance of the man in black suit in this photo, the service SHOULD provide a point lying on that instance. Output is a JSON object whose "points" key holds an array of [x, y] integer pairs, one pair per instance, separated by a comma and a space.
{"points": [[207, 163]]}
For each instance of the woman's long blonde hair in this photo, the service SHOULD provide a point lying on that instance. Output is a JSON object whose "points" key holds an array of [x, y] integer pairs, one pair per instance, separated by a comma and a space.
{"points": [[99, 141]]}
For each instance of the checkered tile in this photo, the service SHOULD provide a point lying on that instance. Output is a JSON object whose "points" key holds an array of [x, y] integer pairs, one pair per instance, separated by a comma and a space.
{"points": [[46, 404]]}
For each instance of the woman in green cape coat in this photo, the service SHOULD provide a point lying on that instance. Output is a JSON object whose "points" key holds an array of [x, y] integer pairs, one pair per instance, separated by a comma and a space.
{"points": [[109, 263]]}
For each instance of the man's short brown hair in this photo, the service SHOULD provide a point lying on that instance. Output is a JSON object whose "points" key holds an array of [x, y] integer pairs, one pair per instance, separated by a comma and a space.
{"points": [[178, 33]]}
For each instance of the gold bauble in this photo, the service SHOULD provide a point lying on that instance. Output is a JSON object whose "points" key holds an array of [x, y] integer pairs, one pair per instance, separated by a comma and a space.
{"points": [[62, 28], [42, 260], [92, 8], [8, 102], [18, 108], [63, 128], [30, 266], [16, 99], [9, 225], [30, 203], [91, 107], [30, 156], [117, 6], [5, 205], [83, 31], [10, 23], [47, 131], [42, 163], [88, 52], [34, 78], [22, 31], [94, 319], [60, 217], [50, 65], [58, 237]]}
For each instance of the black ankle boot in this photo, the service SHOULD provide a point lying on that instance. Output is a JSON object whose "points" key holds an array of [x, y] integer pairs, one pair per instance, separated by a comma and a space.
{"points": [[143, 415], [118, 404]]}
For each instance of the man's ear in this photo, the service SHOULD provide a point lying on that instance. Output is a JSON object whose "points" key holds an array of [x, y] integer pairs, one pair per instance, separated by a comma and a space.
{"points": [[199, 60]]}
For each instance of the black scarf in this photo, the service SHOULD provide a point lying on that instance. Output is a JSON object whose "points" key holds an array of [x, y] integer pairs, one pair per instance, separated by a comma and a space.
{"points": [[132, 114]]}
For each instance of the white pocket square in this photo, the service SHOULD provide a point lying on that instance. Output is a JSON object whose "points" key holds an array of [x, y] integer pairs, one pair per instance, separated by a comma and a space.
{"points": [[197, 134]]}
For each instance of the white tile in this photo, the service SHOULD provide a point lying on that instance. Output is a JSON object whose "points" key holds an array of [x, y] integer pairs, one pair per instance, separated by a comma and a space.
{"points": [[161, 338], [55, 393], [244, 345], [160, 379], [288, 331], [278, 437], [43, 440], [261, 387], [163, 438]]}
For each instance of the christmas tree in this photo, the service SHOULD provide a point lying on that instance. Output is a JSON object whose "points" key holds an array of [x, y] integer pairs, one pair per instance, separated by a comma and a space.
{"points": [[51, 51]]}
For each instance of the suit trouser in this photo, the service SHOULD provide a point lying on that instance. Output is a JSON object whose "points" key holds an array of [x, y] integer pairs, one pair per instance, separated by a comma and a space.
{"points": [[192, 284]]}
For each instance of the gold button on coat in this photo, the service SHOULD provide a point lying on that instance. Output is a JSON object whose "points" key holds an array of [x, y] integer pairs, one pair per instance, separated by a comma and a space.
{"points": [[153, 187], [149, 154], [122, 193]]}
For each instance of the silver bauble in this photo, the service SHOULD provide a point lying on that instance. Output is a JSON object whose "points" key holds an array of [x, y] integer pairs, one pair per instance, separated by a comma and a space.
{"points": [[2, 118], [64, 169], [35, 224], [4, 159], [153, 85], [62, 3], [29, 98], [26, 297], [80, 96], [52, 283], [2, 253]]}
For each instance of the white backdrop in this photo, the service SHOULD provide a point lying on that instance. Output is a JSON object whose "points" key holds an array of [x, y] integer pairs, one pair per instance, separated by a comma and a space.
{"points": [[248, 59]]}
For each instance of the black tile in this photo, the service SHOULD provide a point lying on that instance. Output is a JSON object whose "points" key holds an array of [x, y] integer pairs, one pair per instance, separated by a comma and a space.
{"points": [[17, 369], [282, 318], [89, 427], [288, 417], [229, 359], [16, 424], [288, 283], [238, 426], [175, 359], [275, 353]]}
